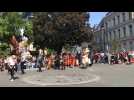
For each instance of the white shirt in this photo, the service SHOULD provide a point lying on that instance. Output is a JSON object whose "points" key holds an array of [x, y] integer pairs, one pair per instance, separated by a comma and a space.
{"points": [[11, 61], [79, 49]]}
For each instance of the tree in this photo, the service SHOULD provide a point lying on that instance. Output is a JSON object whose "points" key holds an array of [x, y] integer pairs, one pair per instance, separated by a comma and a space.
{"points": [[55, 29], [29, 29], [11, 23], [115, 45]]}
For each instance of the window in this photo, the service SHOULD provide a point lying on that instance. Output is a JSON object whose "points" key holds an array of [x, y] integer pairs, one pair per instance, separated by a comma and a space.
{"points": [[130, 15], [106, 39], [131, 45], [130, 30], [113, 21], [124, 31], [123, 17], [106, 25], [110, 36], [114, 35], [124, 46], [118, 18], [119, 33]]}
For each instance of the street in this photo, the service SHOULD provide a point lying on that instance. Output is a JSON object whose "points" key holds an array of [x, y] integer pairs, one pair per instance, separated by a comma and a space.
{"points": [[100, 75]]}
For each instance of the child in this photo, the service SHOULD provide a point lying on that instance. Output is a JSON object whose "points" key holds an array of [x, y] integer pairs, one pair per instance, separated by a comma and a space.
{"points": [[49, 65]]}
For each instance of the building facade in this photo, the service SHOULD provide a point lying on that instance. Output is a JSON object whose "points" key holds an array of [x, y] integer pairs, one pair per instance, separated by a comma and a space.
{"points": [[99, 37], [118, 31]]}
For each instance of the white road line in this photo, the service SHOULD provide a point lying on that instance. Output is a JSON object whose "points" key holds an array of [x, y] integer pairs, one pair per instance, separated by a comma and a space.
{"points": [[95, 79]]}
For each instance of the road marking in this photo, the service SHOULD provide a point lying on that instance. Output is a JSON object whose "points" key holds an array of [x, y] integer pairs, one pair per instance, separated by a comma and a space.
{"points": [[94, 79]]}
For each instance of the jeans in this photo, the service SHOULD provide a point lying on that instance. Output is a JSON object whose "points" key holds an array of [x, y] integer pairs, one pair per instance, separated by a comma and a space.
{"points": [[12, 72], [22, 67], [79, 59]]}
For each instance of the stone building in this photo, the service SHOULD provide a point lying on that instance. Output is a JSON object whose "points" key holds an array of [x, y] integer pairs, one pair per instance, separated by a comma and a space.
{"points": [[116, 31]]}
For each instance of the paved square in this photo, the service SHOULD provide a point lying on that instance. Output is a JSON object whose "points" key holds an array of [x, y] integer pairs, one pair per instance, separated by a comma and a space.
{"points": [[100, 75]]}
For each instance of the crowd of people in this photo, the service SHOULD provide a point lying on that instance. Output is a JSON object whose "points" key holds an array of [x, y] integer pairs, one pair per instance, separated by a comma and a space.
{"points": [[43, 59], [112, 58], [83, 58]]}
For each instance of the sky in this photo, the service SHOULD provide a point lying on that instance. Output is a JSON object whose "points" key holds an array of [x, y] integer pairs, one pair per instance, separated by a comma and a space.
{"points": [[95, 17]]}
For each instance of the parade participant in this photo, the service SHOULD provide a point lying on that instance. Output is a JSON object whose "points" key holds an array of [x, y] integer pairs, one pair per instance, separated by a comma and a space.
{"points": [[65, 60], [70, 60], [57, 61], [52, 60], [2, 64], [18, 66], [85, 59], [45, 61], [105, 59], [12, 61], [45, 52], [79, 54], [96, 57], [76, 61], [124, 54], [23, 63], [39, 62], [33, 61], [49, 64], [61, 62], [89, 58], [73, 60], [129, 59], [91, 54], [6, 63], [121, 57], [109, 58]]}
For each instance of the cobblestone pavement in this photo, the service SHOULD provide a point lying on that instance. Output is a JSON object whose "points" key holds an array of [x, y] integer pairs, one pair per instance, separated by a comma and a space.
{"points": [[100, 75]]}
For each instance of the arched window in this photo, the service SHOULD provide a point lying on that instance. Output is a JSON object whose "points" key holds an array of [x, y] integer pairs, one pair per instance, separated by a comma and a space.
{"points": [[114, 20], [124, 31], [114, 35], [130, 15], [118, 18], [123, 17], [131, 45], [130, 30], [119, 33]]}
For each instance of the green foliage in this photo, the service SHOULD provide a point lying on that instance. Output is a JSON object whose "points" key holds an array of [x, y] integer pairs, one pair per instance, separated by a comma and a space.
{"points": [[55, 29], [29, 29], [4, 49], [4, 46], [11, 23]]}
